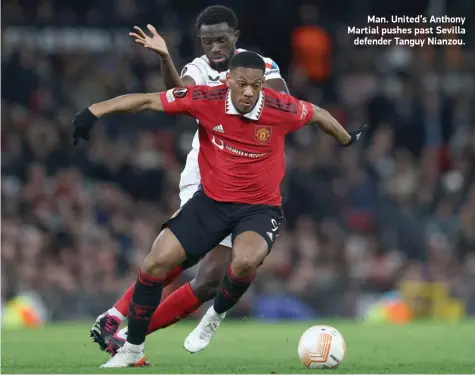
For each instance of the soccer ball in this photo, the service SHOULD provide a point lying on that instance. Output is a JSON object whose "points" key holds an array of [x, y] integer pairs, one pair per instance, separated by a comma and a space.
{"points": [[321, 347]]}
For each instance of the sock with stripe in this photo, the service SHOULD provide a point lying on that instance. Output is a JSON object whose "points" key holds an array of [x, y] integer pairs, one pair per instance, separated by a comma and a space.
{"points": [[121, 307], [231, 290], [145, 299]]}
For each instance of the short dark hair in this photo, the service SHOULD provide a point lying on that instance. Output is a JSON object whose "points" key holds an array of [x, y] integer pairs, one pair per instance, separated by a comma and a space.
{"points": [[217, 14], [247, 59]]}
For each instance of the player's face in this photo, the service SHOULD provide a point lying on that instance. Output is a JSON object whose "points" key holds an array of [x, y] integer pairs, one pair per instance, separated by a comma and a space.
{"points": [[246, 85], [219, 44]]}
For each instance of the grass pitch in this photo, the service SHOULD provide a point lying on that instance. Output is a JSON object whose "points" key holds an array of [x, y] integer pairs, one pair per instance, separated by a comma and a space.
{"points": [[253, 348]]}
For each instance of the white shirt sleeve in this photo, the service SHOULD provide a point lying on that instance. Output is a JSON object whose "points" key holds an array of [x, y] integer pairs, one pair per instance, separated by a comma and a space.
{"points": [[195, 71], [272, 69]]}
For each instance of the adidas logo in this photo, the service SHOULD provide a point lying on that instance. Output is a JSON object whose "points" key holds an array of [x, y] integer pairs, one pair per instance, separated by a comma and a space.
{"points": [[219, 129], [270, 236]]}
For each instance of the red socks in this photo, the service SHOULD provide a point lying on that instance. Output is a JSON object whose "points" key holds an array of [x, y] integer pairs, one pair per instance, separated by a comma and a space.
{"points": [[122, 305], [177, 306]]}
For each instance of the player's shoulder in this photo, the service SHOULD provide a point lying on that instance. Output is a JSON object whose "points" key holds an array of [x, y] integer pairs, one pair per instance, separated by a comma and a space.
{"points": [[280, 101], [199, 64], [271, 65], [213, 93], [200, 61]]}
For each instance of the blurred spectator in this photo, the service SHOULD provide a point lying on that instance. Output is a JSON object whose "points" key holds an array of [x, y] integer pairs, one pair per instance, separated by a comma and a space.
{"points": [[78, 222], [312, 46]]}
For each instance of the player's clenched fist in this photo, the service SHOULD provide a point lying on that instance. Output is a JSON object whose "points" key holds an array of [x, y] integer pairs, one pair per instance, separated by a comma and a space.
{"points": [[83, 123]]}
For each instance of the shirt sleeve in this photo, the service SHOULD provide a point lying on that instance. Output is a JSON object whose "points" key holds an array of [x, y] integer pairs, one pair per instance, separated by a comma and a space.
{"points": [[178, 100], [301, 116], [272, 69], [195, 71]]}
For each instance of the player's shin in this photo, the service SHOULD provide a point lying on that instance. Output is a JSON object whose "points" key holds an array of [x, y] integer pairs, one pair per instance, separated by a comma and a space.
{"points": [[177, 306], [236, 282], [232, 289], [145, 299], [165, 255], [249, 250], [121, 307]]}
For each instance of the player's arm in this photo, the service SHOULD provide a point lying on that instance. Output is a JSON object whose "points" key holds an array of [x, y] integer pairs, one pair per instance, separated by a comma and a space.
{"points": [[156, 43], [171, 77], [305, 113], [130, 103], [331, 126], [191, 75], [277, 84], [173, 101]]}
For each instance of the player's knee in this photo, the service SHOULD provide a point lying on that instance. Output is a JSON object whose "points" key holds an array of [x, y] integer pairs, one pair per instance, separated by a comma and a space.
{"points": [[166, 254], [245, 264], [249, 250]]}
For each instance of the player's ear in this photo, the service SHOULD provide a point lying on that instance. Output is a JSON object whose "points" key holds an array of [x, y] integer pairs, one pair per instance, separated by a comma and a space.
{"points": [[228, 79], [237, 33]]}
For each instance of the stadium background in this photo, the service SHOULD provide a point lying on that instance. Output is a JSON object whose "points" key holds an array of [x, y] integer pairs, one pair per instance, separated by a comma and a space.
{"points": [[361, 222]]}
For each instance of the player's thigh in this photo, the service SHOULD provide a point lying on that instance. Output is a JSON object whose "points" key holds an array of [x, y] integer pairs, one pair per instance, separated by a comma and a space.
{"points": [[166, 253], [199, 225], [188, 187], [255, 233]]}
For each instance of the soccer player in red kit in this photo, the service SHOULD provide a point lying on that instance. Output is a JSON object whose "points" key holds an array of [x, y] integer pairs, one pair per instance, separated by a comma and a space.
{"points": [[242, 129], [217, 29]]}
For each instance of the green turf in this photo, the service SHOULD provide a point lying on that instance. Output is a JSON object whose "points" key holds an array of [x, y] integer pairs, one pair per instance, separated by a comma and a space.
{"points": [[249, 347]]}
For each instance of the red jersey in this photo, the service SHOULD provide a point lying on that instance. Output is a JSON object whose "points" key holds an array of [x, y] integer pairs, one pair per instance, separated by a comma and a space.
{"points": [[241, 157]]}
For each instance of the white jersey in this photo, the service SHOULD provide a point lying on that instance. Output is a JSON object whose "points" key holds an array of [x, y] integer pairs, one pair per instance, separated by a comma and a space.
{"points": [[203, 74]]}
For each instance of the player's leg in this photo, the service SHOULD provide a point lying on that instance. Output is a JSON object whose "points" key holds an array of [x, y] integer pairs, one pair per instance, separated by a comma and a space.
{"points": [[189, 297], [183, 238], [211, 270], [166, 253], [254, 236], [108, 323]]}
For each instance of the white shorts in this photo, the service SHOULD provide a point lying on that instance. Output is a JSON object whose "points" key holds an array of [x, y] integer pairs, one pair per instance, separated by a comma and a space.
{"points": [[185, 195]]}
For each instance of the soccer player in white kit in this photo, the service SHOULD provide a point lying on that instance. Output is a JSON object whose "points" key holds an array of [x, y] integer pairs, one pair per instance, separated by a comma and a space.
{"points": [[218, 33]]}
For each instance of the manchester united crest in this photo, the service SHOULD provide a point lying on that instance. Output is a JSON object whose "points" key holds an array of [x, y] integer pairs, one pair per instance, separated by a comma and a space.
{"points": [[263, 134]]}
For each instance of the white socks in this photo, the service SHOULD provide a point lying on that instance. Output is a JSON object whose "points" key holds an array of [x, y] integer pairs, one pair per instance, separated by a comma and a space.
{"points": [[133, 348]]}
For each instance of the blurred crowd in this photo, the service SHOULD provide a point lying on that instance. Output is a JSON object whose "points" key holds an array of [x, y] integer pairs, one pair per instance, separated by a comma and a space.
{"points": [[78, 221]]}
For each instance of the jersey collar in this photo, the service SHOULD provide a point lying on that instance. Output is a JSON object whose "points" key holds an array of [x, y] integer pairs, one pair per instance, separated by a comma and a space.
{"points": [[256, 112]]}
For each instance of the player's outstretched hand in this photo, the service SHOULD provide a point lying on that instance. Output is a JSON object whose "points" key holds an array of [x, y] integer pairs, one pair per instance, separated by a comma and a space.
{"points": [[83, 123], [155, 42], [357, 134]]}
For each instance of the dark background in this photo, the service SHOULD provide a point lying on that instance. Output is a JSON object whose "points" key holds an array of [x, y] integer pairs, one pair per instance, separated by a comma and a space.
{"points": [[77, 223]]}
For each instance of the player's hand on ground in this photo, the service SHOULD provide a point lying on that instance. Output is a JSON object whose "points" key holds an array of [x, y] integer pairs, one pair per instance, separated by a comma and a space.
{"points": [[154, 42], [357, 134], [83, 123]]}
